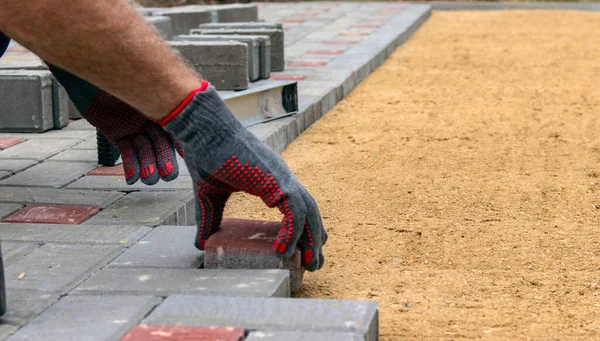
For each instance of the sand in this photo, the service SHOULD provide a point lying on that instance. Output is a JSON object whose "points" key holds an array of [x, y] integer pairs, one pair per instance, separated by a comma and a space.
{"points": [[459, 182]]}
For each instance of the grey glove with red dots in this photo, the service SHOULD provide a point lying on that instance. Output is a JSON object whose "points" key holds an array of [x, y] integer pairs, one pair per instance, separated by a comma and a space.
{"points": [[224, 157]]}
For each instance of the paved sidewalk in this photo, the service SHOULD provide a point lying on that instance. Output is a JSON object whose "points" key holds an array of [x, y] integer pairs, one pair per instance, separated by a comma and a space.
{"points": [[88, 257]]}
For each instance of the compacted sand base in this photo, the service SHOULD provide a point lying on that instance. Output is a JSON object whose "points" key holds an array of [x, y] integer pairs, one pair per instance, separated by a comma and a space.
{"points": [[458, 182]]}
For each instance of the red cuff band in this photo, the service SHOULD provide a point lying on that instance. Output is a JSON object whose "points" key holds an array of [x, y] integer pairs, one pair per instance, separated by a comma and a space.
{"points": [[183, 104]]}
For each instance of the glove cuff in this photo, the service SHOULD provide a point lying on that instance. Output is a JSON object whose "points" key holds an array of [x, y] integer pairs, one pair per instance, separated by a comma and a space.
{"points": [[184, 104]]}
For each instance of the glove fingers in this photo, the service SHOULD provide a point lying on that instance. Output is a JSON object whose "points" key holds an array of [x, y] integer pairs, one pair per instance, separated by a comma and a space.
{"points": [[292, 223], [166, 161], [148, 172], [131, 167], [313, 238], [210, 204]]}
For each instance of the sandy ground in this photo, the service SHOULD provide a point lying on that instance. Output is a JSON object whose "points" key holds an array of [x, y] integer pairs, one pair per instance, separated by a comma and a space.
{"points": [[458, 182]]}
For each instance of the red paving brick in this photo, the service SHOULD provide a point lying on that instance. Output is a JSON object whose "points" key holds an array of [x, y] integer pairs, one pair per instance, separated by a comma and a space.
{"points": [[241, 243], [52, 214], [291, 21], [108, 170], [307, 63], [287, 77], [342, 42], [7, 142], [180, 333], [326, 52], [354, 34]]}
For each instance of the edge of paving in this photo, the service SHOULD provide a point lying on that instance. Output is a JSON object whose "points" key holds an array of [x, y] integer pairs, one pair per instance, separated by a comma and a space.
{"points": [[316, 98], [461, 6]]}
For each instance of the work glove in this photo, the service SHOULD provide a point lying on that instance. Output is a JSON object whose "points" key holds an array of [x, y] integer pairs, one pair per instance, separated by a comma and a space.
{"points": [[224, 157], [147, 151], [4, 42]]}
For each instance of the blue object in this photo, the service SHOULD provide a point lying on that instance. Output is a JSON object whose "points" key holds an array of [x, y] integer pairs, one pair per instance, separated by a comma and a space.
{"points": [[4, 41]]}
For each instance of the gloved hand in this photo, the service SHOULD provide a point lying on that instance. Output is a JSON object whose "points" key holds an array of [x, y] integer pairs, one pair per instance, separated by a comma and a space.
{"points": [[224, 157], [147, 151]]}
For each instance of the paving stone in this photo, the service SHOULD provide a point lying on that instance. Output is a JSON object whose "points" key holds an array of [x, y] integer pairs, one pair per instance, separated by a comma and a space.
{"points": [[57, 268], [52, 214], [91, 144], [26, 101], [325, 52], [162, 24], [158, 333], [164, 282], [4, 174], [13, 251], [37, 149], [307, 63], [22, 306], [253, 43], [223, 63], [87, 318], [76, 155], [7, 142], [49, 174], [73, 111], [8, 209], [235, 13], [118, 183], [116, 170], [274, 31], [303, 336], [79, 124], [270, 314], [184, 19], [6, 330], [286, 77], [121, 235], [60, 105], [163, 247], [144, 208], [57, 196], [248, 244]]}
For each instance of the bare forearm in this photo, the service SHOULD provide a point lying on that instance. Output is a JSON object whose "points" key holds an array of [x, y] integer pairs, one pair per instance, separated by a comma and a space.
{"points": [[105, 42]]}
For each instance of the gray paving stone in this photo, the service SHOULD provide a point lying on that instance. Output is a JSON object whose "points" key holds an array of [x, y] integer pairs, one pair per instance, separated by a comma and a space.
{"points": [[13, 251], [123, 235], [77, 155], [14, 166], [235, 13], [162, 24], [163, 282], [144, 208], [74, 113], [26, 97], [8, 209], [87, 144], [303, 336], [163, 247], [9, 194], [184, 19], [118, 183], [4, 174], [93, 318], [253, 43], [37, 149], [60, 105], [223, 63], [7, 330], [271, 314], [80, 124], [276, 36], [50, 174], [57, 268], [22, 306]]}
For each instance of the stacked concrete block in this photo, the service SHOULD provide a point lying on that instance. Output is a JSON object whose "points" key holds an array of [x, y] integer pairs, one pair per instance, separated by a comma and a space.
{"points": [[162, 24], [254, 49], [223, 63], [274, 31], [185, 18], [26, 97], [235, 13]]}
